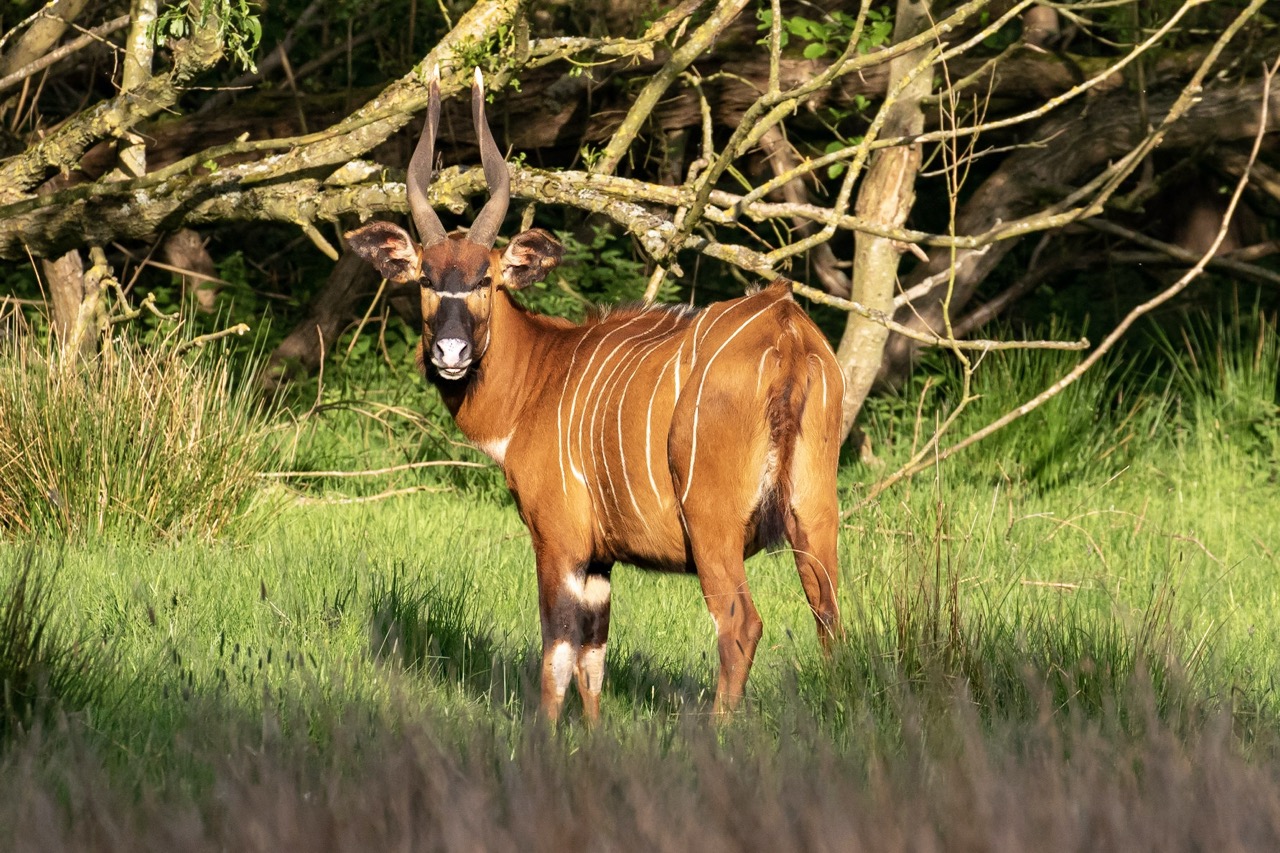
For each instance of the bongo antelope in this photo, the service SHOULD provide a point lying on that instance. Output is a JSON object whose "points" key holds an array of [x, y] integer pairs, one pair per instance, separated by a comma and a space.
{"points": [[663, 437]]}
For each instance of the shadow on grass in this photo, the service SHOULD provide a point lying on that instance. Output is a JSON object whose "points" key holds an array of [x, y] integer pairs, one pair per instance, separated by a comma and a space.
{"points": [[437, 630], [925, 756], [43, 673], [405, 776]]}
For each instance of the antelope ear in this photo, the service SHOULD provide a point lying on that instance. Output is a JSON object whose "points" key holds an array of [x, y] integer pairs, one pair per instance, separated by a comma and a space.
{"points": [[529, 257], [389, 248]]}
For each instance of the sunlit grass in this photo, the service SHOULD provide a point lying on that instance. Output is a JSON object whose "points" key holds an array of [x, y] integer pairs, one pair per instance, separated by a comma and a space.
{"points": [[1065, 638], [141, 441]]}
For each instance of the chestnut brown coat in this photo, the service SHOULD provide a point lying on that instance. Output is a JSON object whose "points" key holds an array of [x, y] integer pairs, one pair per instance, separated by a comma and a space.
{"points": [[663, 437]]}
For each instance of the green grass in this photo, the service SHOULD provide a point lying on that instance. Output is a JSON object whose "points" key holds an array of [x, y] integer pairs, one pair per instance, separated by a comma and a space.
{"points": [[140, 442], [1065, 638]]}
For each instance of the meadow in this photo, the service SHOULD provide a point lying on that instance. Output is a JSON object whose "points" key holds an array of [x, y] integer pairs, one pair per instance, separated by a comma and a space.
{"points": [[1064, 638]]}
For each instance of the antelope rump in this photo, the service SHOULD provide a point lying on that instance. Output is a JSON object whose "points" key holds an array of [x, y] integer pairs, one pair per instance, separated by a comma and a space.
{"points": [[662, 437]]}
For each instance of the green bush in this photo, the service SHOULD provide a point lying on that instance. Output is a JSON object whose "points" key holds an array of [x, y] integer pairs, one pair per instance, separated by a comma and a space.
{"points": [[142, 441]]}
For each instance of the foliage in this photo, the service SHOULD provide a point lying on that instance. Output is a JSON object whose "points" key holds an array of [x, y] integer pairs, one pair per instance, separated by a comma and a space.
{"points": [[603, 271], [239, 29], [140, 442], [829, 37], [1228, 371]]}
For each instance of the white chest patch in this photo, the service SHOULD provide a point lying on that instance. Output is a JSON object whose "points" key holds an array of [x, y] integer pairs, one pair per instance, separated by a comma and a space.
{"points": [[495, 449]]}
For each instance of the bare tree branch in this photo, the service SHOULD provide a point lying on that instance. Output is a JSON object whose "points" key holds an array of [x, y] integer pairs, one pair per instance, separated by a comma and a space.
{"points": [[917, 465], [35, 67]]}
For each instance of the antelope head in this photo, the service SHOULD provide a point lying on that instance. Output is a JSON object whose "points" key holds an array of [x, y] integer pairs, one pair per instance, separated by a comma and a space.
{"points": [[458, 274]]}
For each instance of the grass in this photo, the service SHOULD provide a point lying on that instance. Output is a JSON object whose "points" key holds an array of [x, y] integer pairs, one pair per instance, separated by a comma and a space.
{"points": [[140, 442], [1065, 640]]}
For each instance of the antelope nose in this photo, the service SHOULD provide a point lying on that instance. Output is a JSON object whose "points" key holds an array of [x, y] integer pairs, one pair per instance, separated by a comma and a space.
{"points": [[451, 352]]}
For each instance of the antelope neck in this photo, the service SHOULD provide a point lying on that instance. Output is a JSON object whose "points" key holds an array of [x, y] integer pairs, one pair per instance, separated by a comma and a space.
{"points": [[489, 408]]}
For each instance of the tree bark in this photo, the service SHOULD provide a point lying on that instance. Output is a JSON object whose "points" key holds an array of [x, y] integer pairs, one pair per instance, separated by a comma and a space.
{"points": [[302, 350], [1065, 152], [63, 148], [42, 35], [885, 197], [185, 250], [76, 305]]}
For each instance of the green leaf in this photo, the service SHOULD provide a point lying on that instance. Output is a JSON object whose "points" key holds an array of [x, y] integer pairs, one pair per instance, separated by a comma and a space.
{"points": [[815, 50]]}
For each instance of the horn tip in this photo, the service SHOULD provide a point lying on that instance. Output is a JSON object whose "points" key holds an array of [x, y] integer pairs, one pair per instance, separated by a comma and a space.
{"points": [[479, 79]]}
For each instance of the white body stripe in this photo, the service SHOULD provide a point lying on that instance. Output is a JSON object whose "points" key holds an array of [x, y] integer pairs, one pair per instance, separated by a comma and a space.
{"points": [[629, 362], [598, 398], [560, 434], [760, 367], [622, 403], [648, 423], [697, 402], [573, 405]]}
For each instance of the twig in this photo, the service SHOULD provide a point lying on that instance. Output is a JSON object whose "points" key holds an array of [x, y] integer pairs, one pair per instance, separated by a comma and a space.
{"points": [[96, 34], [1178, 253], [1118, 332], [1052, 584], [318, 239], [375, 472], [198, 276], [355, 337], [381, 496], [547, 50], [201, 340], [266, 65], [42, 12], [1008, 121], [1030, 280], [641, 110], [926, 337]]}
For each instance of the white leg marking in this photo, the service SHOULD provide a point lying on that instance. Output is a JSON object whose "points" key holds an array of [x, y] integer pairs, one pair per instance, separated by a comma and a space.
{"points": [[697, 402], [591, 592], [595, 594], [561, 666], [591, 662]]}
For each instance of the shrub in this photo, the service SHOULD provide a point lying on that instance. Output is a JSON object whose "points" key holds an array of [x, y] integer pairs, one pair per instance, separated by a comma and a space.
{"points": [[142, 441]]}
